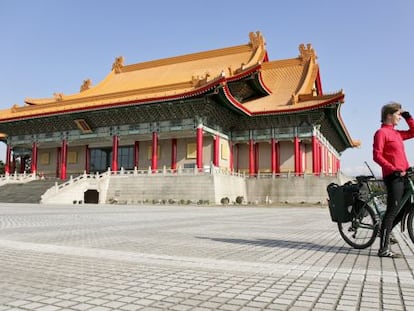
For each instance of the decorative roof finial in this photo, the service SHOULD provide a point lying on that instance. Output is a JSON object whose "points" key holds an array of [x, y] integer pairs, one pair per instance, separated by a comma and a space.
{"points": [[118, 64], [256, 39], [85, 85], [307, 52]]}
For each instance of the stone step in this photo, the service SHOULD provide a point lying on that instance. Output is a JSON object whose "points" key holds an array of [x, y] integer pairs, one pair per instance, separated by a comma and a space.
{"points": [[25, 193]]}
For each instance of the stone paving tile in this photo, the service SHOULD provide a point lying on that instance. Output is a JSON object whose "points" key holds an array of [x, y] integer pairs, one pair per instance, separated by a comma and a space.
{"points": [[191, 258]]}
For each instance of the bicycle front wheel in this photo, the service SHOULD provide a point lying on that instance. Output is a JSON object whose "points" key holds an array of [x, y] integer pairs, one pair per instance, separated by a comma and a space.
{"points": [[410, 225], [363, 228]]}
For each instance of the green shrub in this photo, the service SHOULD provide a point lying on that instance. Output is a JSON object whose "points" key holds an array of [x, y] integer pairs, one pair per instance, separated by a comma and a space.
{"points": [[225, 201]]}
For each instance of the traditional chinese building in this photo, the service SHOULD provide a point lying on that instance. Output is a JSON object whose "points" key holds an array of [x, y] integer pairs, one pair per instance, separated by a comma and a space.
{"points": [[230, 108]]}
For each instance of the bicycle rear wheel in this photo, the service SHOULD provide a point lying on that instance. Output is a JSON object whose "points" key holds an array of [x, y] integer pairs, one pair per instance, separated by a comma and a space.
{"points": [[363, 228]]}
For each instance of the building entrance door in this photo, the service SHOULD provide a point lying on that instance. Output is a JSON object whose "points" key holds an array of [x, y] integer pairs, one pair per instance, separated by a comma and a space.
{"points": [[91, 196]]}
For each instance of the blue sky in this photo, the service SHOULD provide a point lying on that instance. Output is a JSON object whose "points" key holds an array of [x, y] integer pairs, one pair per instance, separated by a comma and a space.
{"points": [[363, 47]]}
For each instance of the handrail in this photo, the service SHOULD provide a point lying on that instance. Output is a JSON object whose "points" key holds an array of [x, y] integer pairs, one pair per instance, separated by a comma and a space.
{"points": [[17, 178]]}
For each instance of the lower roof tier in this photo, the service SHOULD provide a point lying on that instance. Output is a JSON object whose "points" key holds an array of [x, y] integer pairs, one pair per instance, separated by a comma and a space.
{"points": [[207, 112]]}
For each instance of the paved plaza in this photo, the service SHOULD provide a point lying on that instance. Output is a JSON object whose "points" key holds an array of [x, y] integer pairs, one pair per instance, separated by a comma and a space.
{"points": [[109, 257]]}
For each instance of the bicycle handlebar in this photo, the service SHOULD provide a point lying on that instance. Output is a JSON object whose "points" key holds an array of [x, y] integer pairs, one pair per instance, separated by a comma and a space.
{"points": [[364, 178]]}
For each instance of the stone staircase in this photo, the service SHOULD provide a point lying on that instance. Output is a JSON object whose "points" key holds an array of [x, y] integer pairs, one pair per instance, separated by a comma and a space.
{"points": [[25, 192]]}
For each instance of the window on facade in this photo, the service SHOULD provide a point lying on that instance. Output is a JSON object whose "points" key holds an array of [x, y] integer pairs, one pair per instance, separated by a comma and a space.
{"points": [[126, 157], [100, 160]]}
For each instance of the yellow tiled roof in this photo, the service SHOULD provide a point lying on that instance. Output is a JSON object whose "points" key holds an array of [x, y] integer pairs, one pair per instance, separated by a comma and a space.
{"points": [[290, 81]]}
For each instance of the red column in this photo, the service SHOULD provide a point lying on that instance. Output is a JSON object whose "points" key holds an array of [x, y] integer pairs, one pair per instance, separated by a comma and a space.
{"points": [[251, 158], [34, 158], [64, 158], [321, 159], [277, 144], [174, 153], [296, 146], [318, 151], [115, 143], [314, 155], [231, 164], [216, 150], [333, 164], [87, 158], [13, 164], [330, 166], [154, 158], [256, 158], [8, 155], [199, 153], [22, 165], [326, 160], [136, 154], [273, 156], [237, 157], [58, 160]]}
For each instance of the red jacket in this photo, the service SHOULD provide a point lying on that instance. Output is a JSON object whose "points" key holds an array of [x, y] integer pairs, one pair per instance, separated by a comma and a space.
{"points": [[389, 151]]}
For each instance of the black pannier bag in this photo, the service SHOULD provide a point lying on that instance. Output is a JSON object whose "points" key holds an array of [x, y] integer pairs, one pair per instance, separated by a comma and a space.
{"points": [[341, 200]]}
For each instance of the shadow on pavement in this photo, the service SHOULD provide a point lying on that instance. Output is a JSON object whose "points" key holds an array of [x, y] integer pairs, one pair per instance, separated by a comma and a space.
{"points": [[288, 244]]}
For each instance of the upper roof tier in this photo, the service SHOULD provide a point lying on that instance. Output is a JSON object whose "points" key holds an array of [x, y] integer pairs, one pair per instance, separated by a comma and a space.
{"points": [[180, 76], [291, 85]]}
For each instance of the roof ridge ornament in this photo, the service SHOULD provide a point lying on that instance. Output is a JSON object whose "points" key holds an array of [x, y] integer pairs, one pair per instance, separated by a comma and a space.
{"points": [[58, 96], [118, 64], [14, 107], [256, 39], [86, 85], [198, 80], [294, 99], [307, 52]]}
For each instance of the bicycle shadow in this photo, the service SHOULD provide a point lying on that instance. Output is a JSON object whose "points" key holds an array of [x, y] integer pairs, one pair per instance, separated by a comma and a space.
{"points": [[288, 244]]}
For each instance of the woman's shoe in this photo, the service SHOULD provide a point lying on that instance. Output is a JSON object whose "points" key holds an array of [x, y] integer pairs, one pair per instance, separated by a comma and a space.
{"points": [[388, 253]]}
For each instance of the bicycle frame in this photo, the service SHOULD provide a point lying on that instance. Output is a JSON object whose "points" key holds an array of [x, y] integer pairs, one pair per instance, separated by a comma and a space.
{"points": [[408, 195]]}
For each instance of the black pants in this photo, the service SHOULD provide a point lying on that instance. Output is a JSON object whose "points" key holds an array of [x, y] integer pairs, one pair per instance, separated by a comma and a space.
{"points": [[395, 191]]}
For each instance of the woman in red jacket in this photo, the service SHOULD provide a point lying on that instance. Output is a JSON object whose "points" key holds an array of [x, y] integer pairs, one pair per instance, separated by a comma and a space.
{"points": [[389, 153]]}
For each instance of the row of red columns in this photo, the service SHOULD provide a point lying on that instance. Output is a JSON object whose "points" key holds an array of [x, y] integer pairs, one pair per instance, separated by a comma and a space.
{"points": [[254, 156], [320, 159], [154, 151], [320, 155]]}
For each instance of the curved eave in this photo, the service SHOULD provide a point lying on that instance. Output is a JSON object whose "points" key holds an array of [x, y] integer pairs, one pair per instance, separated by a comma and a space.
{"points": [[229, 101], [245, 73], [300, 107], [262, 84], [255, 73], [342, 130]]}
